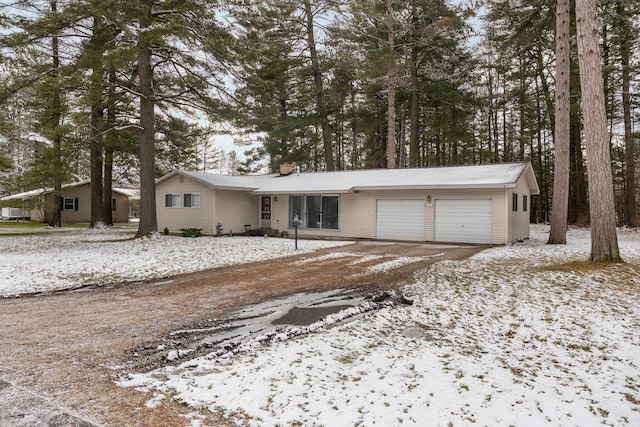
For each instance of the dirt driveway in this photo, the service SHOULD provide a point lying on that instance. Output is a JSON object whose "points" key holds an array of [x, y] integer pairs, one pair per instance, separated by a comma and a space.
{"points": [[60, 353]]}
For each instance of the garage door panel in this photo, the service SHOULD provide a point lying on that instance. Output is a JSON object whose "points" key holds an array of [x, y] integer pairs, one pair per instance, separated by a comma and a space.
{"points": [[464, 221], [400, 219]]}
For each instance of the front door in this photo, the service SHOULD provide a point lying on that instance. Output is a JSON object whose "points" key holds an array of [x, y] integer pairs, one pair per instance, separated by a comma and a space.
{"points": [[265, 212]]}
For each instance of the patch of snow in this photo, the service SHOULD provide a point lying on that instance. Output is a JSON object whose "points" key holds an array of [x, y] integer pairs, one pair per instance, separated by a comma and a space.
{"points": [[393, 263], [504, 338], [332, 255], [46, 263]]}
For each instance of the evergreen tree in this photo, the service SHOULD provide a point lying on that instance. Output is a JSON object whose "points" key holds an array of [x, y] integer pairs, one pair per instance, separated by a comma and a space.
{"points": [[272, 85], [604, 240], [558, 233]]}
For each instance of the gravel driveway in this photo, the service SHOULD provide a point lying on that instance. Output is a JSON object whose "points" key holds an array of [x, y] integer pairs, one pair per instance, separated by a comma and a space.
{"points": [[61, 353]]}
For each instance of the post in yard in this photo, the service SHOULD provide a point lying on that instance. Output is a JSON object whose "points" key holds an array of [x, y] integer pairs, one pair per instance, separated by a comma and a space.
{"points": [[295, 228]]}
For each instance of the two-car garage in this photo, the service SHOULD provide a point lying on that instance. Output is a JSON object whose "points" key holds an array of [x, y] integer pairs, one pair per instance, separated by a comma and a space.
{"points": [[454, 220]]}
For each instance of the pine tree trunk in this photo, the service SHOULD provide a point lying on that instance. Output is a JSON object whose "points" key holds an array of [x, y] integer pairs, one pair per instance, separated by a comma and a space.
{"points": [[317, 77], [604, 241], [95, 161], [559, 208], [110, 144], [148, 218], [630, 217], [107, 193], [391, 89], [414, 111], [96, 143], [56, 119]]}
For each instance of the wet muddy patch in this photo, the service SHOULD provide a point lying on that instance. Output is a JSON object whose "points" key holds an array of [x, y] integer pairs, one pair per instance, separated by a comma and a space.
{"points": [[260, 324]]}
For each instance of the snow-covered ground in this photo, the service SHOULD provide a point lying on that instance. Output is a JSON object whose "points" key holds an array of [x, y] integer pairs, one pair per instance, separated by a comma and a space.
{"points": [[522, 335], [54, 261]]}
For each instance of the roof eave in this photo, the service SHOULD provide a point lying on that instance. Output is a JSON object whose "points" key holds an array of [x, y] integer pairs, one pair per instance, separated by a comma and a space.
{"points": [[285, 192], [534, 189], [433, 187], [231, 188]]}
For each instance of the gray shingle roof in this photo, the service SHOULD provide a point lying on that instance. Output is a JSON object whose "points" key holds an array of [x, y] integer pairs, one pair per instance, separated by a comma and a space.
{"points": [[500, 175]]}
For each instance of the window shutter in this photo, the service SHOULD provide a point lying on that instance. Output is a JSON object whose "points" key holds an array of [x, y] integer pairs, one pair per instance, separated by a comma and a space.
{"points": [[76, 204]]}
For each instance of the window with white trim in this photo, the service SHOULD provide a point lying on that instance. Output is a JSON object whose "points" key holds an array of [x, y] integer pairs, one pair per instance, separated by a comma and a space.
{"points": [[171, 200], [525, 203], [70, 204], [515, 202], [191, 200]]}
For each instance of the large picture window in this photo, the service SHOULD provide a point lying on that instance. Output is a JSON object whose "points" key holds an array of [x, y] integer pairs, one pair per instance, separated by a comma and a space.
{"points": [[314, 211]]}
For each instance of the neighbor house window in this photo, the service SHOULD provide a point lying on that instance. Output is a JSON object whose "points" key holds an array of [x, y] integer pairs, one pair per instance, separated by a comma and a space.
{"points": [[314, 211], [515, 202], [171, 200], [113, 205], [191, 200], [70, 204], [524, 203]]}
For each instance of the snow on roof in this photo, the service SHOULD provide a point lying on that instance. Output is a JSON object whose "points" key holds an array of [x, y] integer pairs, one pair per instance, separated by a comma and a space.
{"points": [[491, 175], [133, 193], [40, 191], [240, 182], [27, 194]]}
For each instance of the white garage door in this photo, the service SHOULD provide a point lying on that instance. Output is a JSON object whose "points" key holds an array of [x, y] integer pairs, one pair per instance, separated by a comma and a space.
{"points": [[400, 220], [463, 221]]}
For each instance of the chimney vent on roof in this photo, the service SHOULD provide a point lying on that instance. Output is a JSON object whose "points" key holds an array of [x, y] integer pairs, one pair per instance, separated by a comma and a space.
{"points": [[285, 169]]}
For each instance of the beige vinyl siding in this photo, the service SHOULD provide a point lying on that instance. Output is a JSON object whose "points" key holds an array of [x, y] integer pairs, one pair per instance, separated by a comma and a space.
{"points": [[41, 207], [357, 216], [121, 214], [519, 221], [176, 218], [357, 211], [83, 194], [235, 209]]}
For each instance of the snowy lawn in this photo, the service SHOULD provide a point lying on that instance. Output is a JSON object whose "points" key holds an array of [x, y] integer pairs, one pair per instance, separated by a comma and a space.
{"points": [[523, 335], [71, 259]]}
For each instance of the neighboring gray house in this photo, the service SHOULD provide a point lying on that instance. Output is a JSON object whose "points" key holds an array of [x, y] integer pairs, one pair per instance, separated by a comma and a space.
{"points": [[465, 204], [76, 204]]}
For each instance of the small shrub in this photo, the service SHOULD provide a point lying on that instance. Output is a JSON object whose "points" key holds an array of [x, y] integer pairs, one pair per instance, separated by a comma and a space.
{"points": [[191, 232], [165, 231]]}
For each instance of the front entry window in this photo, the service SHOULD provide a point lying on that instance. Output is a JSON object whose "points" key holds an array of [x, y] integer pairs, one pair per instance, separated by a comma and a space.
{"points": [[314, 211]]}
